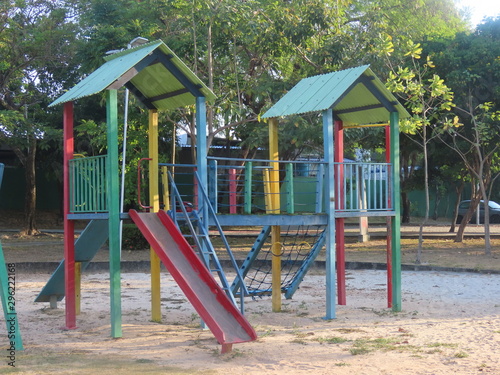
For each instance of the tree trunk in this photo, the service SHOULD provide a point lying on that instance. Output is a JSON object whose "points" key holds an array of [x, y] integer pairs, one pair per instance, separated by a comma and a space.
{"points": [[487, 236], [459, 191], [30, 196], [405, 215], [468, 215]]}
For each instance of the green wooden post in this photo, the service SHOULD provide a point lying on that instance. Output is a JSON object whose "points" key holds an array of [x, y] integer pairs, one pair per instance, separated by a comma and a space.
{"points": [[248, 187], [290, 201], [330, 211], [7, 294], [396, 220], [113, 197]]}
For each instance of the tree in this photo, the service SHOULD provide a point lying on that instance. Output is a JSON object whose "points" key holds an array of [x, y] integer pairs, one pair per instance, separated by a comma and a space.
{"points": [[35, 39], [470, 64], [479, 152], [430, 101]]}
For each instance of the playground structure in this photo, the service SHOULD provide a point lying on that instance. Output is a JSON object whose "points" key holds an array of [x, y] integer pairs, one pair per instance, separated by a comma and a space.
{"points": [[159, 79]]}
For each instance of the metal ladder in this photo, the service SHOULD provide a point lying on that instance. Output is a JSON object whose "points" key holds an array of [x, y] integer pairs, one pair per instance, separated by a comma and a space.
{"points": [[200, 236]]}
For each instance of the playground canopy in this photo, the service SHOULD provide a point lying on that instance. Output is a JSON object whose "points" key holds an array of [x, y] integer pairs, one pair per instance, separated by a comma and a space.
{"points": [[152, 72], [356, 95]]}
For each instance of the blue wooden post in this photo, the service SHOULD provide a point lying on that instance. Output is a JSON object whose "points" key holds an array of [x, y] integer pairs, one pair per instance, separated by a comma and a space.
{"points": [[201, 150], [201, 163], [330, 211]]}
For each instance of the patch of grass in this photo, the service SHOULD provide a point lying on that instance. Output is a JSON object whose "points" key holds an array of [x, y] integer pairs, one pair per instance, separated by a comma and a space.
{"points": [[299, 341], [341, 364], [442, 345], [367, 345], [144, 360], [434, 351], [194, 317], [303, 305], [382, 312], [461, 355], [350, 330], [360, 351], [226, 357], [269, 332], [331, 340]]}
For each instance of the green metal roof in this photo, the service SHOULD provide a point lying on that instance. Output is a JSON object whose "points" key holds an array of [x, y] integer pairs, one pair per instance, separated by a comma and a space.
{"points": [[151, 71], [356, 96]]}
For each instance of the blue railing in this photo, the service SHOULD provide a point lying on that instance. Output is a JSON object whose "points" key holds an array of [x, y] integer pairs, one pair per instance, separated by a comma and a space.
{"points": [[241, 186]]}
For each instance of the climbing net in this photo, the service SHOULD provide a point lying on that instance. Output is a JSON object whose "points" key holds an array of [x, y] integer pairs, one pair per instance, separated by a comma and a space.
{"points": [[298, 247]]}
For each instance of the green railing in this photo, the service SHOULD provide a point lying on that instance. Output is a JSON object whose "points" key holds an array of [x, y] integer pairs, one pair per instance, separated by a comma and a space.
{"points": [[88, 185]]}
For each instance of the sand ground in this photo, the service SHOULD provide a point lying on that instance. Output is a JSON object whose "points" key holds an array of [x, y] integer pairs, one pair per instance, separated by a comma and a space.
{"points": [[450, 324]]}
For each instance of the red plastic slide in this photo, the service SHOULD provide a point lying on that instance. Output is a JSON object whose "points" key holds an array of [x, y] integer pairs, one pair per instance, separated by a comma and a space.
{"points": [[221, 316]]}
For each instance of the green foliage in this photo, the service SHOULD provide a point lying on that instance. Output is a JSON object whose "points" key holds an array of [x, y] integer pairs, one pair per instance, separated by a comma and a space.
{"points": [[132, 238], [248, 52], [470, 64]]}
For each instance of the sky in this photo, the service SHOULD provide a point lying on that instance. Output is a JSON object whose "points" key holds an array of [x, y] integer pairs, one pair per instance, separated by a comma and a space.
{"points": [[480, 8]]}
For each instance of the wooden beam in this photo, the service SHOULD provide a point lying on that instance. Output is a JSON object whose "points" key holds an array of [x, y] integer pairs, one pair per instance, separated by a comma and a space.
{"points": [[358, 109], [169, 95], [134, 90], [124, 78], [368, 82], [166, 60]]}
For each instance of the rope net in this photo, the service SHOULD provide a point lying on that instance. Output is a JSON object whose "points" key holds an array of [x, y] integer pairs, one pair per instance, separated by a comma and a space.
{"points": [[297, 243]]}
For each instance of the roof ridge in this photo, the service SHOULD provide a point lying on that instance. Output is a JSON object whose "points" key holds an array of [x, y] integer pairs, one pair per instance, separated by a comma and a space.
{"points": [[127, 51]]}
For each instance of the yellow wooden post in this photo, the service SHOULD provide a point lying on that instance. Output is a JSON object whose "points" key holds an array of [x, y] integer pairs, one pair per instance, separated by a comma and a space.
{"points": [[78, 287], [154, 202], [275, 205]]}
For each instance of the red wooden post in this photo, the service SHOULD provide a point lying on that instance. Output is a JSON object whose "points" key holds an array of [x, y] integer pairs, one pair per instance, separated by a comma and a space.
{"points": [[338, 155], [232, 190], [389, 219], [69, 226]]}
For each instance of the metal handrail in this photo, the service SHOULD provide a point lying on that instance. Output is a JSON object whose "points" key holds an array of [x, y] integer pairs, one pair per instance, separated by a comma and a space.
{"points": [[139, 180]]}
